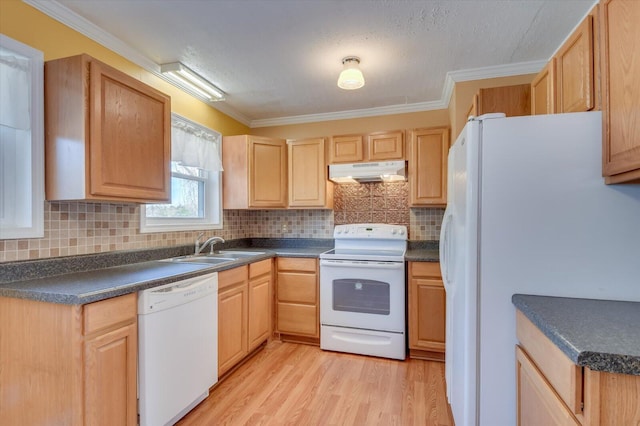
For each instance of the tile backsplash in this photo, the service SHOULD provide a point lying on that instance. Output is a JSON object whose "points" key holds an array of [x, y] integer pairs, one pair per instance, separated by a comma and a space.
{"points": [[73, 228]]}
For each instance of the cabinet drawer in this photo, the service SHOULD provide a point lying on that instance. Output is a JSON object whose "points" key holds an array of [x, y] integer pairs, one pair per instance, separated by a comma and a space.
{"points": [[105, 313], [560, 371], [425, 269], [299, 288], [232, 277], [259, 268], [296, 264], [297, 319], [538, 404]]}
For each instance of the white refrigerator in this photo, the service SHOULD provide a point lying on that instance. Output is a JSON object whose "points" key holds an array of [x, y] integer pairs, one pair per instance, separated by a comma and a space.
{"points": [[527, 212]]}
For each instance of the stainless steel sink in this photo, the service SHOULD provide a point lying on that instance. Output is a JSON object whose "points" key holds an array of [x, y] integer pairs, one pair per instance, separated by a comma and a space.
{"points": [[237, 253], [202, 259]]}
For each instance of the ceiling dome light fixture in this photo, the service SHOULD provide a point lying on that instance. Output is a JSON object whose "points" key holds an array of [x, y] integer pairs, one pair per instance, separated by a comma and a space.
{"points": [[351, 77]]}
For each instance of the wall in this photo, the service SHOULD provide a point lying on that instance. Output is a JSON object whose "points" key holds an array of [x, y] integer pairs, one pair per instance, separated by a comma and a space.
{"points": [[411, 120]]}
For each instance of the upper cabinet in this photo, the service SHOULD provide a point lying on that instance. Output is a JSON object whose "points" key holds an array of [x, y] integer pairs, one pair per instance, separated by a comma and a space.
{"points": [[308, 183], [575, 70], [569, 82], [379, 146], [107, 135], [255, 172], [511, 100], [620, 67], [543, 90], [428, 167], [385, 146]]}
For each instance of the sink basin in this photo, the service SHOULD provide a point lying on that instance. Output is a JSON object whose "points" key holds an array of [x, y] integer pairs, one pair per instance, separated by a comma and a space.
{"points": [[237, 253], [202, 259]]}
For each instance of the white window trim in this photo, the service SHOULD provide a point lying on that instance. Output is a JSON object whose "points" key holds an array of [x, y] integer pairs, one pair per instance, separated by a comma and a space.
{"points": [[36, 58], [149, 225]]}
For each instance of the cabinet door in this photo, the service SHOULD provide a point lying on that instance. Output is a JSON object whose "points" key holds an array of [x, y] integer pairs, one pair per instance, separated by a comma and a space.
{"points": [[620, 44], [543, 93], [307, 173], [538, 404], [386, 146], [428, 167], [259, 311], [232, 326], [574, 67], [267, 172], [110, 378], [130, 139], [427, 304], [511, 100], [346, 149]]}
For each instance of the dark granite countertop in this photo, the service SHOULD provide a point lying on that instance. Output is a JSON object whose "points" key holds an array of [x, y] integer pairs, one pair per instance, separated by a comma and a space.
{"points": [[89, 278], [603, 335]]}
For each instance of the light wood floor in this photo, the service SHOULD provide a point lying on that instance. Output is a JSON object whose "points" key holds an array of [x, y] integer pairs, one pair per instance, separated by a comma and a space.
{"points": [[294, 384]]}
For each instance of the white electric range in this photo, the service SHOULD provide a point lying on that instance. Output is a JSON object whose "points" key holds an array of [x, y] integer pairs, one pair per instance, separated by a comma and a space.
{"points": [[362, 291]]}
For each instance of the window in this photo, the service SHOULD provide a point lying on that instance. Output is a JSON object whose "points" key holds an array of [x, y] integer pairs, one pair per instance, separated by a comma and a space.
{"points": [[196, 184], [21, 140]]}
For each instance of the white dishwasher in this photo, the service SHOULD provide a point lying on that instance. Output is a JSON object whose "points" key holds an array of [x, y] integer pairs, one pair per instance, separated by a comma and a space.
{"points": [[178, 348]]}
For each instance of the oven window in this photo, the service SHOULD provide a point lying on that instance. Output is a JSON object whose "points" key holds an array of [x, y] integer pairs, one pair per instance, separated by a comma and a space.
{"points": [[362, 296]]}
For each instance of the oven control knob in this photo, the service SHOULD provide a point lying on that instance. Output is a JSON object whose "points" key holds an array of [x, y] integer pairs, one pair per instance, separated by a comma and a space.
{"points": [[394, 232], [402, 232], [346, 231]]}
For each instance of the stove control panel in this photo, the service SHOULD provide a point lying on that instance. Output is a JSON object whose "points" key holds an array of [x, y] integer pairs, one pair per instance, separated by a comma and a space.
{"points": [[379, 231]]}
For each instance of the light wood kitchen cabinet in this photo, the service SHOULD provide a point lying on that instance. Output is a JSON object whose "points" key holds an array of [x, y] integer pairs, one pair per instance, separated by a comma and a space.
{"points": [[575, 87], [551, 389], [619, 47], [297, 300], [83, 370], [543, 90], [346, 149], [107, 134], [309, 186], [427, 304], [260, 301], [255, 172], [378, 146], [244, 312], [511, 100], [428, 167], [233, 305], [383, 146]]}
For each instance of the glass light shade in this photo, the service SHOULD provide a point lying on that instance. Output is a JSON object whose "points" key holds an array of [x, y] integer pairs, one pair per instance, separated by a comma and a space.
{"points": [[351, 77]]}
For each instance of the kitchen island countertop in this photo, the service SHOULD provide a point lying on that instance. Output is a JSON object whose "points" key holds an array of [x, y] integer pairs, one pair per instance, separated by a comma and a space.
{"points": [[603, 335]]}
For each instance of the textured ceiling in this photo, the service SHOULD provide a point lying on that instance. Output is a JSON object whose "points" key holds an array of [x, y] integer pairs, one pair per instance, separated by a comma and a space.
{"points": [[281, 58]]}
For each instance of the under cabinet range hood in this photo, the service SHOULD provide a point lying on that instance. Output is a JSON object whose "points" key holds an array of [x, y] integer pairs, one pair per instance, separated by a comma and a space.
{"points": [[384, 171]]}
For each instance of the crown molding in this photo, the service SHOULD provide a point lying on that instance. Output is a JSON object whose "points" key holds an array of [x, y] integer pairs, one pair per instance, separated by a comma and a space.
{"points": [[531, 67], [71, 19], [350, 114]]}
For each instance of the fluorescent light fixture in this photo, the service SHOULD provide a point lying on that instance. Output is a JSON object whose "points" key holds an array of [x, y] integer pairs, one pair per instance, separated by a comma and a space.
{"points": [[351, 77], [191, 82]]}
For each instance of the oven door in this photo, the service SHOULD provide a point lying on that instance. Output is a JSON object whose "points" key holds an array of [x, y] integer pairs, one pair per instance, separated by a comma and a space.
{"points": [[362, 294]]}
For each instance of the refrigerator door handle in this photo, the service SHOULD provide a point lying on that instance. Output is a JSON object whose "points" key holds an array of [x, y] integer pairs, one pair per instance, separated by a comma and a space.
{"points": [[444, 248]]}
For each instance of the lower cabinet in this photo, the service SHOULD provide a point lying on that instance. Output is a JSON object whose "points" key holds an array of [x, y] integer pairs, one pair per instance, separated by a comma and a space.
{"points": [[427, 305], [552, 390], [244, 313], [297, 295], [83, 369]]}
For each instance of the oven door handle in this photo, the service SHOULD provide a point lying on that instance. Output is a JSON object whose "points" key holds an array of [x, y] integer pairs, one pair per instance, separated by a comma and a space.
{"points": [[363, 265]]}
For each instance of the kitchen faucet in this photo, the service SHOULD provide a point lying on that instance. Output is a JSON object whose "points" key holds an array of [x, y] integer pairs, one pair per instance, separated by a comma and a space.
{"points": [[211, 240]]}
